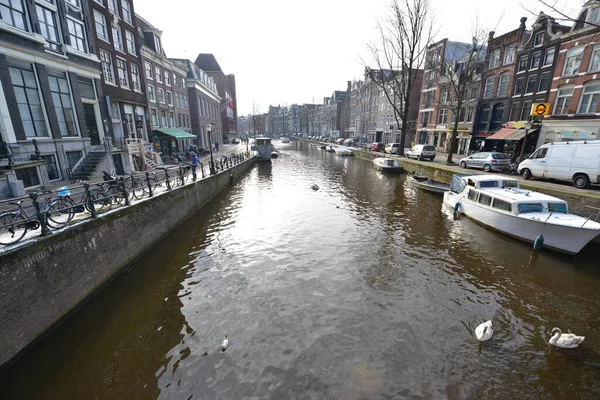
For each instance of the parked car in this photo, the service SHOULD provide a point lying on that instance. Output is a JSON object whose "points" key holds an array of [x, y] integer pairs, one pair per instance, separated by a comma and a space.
{"points": [[392, 148], [284, 139], [489, 161], [377, 146], [235, 141], [421, 151], [349, 142], [578, 162], [340, 141]]}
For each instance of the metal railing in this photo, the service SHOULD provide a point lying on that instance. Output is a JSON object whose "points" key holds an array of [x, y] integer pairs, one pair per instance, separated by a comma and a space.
{"points": [[41, 213]]}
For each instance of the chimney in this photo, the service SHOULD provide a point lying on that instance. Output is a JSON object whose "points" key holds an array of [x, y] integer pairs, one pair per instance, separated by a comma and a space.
{"points": [[523, 20], [491, 36]]}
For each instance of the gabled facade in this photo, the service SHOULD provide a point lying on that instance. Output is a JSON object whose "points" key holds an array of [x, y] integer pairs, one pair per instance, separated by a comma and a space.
{"points": [[575, 87], [51, 97]]}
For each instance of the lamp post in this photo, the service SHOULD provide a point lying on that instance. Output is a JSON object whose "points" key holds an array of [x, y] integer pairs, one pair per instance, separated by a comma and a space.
{"points": [[212, 161]]}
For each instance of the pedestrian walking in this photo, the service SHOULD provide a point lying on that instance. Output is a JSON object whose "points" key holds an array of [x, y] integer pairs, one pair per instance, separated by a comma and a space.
{"points": [[217, 145], [194, 165]]}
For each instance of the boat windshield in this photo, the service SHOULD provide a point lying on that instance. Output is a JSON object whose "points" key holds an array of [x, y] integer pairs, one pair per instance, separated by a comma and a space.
{"points": [[457, 184], [488, 184], [530, 208], [510, 184], [558, 208]]}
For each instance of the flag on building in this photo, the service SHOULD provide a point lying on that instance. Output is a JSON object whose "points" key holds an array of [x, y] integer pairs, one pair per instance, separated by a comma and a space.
{"points": [[228, 102]]}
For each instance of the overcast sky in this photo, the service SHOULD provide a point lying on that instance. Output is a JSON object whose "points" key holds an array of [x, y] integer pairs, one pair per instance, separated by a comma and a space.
{"points": [[285, 52]]}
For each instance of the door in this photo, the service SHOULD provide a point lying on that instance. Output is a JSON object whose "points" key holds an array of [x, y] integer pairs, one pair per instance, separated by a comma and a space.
{"points": [[537, 162], [476, 160], [89, 113]]}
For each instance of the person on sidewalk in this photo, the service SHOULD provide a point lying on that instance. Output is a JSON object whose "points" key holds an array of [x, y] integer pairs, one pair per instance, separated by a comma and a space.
{"points": [[194, 165], [217, 145]]}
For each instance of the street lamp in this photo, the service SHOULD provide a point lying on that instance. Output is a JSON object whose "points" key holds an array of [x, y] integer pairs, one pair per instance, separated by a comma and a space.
{"points": [[212, 162]]}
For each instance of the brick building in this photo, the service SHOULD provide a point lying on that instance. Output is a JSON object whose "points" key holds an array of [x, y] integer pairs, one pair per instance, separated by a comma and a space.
{"points": [[575, 87]]}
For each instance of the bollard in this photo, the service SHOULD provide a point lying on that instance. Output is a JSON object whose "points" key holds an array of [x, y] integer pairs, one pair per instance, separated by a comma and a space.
{"points": [[90, 200], [148, 183], [41, 217], [123, 190], [167, 179], [202, 169]]}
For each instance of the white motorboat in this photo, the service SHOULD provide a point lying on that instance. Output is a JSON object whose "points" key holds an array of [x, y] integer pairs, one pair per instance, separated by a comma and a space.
{"points": [[499, 203], [343, 151], [387, 164], [330, 148]]}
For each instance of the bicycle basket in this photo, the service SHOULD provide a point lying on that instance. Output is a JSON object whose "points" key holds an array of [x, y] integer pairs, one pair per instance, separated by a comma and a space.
{"points": [[63, 191]]}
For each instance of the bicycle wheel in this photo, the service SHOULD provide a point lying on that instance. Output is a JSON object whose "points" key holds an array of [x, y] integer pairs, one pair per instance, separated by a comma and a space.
{"points": [[116, 195], [12, 228], [59, 214], [137, 188], [100, 200]]}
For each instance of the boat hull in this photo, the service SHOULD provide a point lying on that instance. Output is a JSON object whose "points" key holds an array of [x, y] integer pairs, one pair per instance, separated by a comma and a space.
{"points": [[429, 185], [565, 239]]}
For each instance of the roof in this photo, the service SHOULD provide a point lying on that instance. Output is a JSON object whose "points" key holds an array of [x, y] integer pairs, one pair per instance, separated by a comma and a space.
{"points": [[513, 194], [508, 134], [208, 63], [176, 133]]}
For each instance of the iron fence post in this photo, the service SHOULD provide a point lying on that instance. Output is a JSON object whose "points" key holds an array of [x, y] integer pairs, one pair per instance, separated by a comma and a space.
{"points": [[181, 175], [90, 200], [167, 179], [148, 183], [41, 216], [123, 190], [202, 169]]}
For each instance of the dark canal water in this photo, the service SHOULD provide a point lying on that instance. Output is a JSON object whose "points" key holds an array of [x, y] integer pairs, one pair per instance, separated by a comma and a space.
{"points": [[363, 289]]}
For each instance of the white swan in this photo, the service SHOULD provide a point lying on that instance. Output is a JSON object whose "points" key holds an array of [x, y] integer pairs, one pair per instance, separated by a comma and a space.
{"points": [[484, 331], [225, 344], [565, 340]]}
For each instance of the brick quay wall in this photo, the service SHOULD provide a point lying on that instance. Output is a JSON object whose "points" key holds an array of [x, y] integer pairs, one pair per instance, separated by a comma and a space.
{"points": [[44, 282]]}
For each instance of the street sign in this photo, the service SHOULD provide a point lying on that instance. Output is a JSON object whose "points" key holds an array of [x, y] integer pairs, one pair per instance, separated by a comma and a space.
{"points": [[540, 109]]}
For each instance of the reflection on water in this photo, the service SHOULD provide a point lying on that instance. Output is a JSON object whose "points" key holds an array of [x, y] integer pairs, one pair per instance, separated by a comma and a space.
{"points": [[366, 288]]}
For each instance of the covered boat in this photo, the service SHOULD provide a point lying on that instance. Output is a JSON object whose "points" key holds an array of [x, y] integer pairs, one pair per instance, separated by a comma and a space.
{"points": [[428, 184], [499, 202], [330, 148], [343, 151], [387, 164]]}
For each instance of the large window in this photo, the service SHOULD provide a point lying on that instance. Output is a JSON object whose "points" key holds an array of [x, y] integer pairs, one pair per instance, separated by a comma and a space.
{"points": [[488, 92], [135, 77], [536, 59], [519, 86], [29, 176], [484, 115], [509, 55], [112, 5], [77, 35], [445, 96], [158, 74], [549, 56], [48, 26], [545, 79], [28, 98], [573, 61], [167, 78], [169, 98], [163, 118], [595, 62], [161, 95], [538, 39], [61, 97], [525, 111], [126, 8], [130, 39], [495, 58], [13, 13], [514, 111], [531, 81], [122, 71], [503, 85], [118, 38], [154, 115], [148, 68], [523, 63], [107, 67], [51, 167], [589, 99], [101, 28], [563, 100], [497, 115], [151, 93], [443, 116], [171, 119]]}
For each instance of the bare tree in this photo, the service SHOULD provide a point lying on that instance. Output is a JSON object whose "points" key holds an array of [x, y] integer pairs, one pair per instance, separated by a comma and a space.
{"points": [[255, 119], [570, 16], [400, 55]]}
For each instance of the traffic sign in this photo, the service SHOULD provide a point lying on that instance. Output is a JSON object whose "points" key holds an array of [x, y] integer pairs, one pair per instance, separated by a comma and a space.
{"points": [[540, 109]]}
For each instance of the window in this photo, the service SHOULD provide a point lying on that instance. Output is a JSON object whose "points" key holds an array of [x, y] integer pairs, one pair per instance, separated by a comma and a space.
{"points": [[73, 158], [28, 99], [509, 55], [169, 98], [474, 93], [484, 115], [545, 79], [13, 13], [573, 61], [519, 86], [114, 108], [503, 85], [74, 2], [525, 111], [473, 195], [549, 56], [502, 205], [462, 114], [536, 59], [148, 68], [589, 99], [443, 116], [86, 88], [563, 100], [158, 74], [538, 39], [177, 99], [122, 72], [48, 26], [497, 115], [101, 2], [185, 101], [118, 38], [531, 81], [595, 16], [126, 9], [445, 96], [167, 78], [489, 87], [495, 58], [112, 5], [530, 207], [171, 120], [61, 97], [484, 199], [514, 111], [523, 63], [161, 95], [101, 28], [130, 39], [157, 45], [154, 116], [51, 167], [135, 77], [76, 35], [29, 176], [151, 93], [470, 112], [107, 67], [163, 118]]}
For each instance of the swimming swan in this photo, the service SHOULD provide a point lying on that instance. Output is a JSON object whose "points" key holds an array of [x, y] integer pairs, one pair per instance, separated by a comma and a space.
{"points": [[565, 340], [484, 331]]}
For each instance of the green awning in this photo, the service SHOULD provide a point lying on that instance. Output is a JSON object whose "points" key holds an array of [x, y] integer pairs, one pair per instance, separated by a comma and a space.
{"points": [[177, 133]]}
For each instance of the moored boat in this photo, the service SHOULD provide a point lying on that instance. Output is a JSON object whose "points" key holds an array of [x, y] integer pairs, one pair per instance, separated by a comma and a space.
{"points": [[428, 184], [330, 148], [499, 202], [343, 151], [387, 164]]}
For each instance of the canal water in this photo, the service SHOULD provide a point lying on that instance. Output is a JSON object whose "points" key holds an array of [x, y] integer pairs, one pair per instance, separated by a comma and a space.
{"points": [[364, 288]]}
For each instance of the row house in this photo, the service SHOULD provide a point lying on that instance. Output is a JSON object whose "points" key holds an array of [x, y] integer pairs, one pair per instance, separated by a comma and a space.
{"points": [[575, 89], [203, 102], [351, 130], [166, 92], [437, 110], [345, 112], [227, 91], [278, 121], [51, 96], [294, 119], [308, 117], [366, 127], [116, 43]]}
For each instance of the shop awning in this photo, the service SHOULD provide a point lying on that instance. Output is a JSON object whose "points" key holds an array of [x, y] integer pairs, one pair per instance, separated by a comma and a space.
{"points": [[177, 133], [502, 134], [517, 134]]}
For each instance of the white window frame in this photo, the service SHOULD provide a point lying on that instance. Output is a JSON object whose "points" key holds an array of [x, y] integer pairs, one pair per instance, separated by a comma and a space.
{"points": [[548, 50], [535, 39], [488, 90], [442, 116], [577, 57], [167, 77], [540, 61], [123, 74], [160, 98], [494, 59], [107, 69], [126, 11], [595, 59], [158, 74], [136, 79], [509, 55], [130, 44], [117, 33], [153, 114], [151, 93], [104, 34], [592, 97], [73, 35], [169, 98], [506, 83], [146, 70], [564, 104]]}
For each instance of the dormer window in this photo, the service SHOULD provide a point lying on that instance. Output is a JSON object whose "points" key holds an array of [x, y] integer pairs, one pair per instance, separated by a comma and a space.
{"points": [[157, 46], [594, 16], [538, 39]]}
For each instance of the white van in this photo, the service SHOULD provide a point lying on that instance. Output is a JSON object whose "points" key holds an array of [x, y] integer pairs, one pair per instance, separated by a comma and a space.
{"points": [[577, 161]]}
